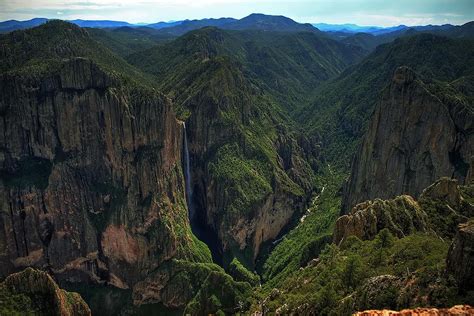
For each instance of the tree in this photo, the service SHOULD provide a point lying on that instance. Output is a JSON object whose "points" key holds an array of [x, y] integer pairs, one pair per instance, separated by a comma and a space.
{"points": [[353, 271]]}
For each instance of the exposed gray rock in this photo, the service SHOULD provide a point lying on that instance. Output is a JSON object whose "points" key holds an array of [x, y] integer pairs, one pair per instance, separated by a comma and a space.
{"points": [[402, 216], [89, 171], [413, 138]]}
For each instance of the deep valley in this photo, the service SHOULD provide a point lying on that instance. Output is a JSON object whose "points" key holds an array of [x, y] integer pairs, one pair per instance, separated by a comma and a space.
{"points": [[253, 166]]}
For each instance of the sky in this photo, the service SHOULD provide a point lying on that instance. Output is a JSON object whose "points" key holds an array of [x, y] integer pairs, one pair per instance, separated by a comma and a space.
{"points": [[362, 12]]}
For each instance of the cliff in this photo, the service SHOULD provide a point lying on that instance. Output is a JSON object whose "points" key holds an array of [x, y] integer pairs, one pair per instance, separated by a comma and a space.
{"points": [[35, 292], [250, 168], [418, 133], [91, 185]]}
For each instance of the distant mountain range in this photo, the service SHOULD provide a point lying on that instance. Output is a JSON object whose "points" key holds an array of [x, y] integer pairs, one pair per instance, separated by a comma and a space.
{"points": [[220, 172], [376, 30], [253, 21]]}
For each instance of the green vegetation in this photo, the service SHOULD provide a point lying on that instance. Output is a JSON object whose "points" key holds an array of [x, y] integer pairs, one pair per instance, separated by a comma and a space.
{"points": [[221, 295], [340, 108], [240, 273], [307, 273], [343, 271], [15, 304], [305, 241], [247, 181], [34, 292], [124, 41], [445, 216], [288, 66], [235, 90], [26, 55], [251, 101]]}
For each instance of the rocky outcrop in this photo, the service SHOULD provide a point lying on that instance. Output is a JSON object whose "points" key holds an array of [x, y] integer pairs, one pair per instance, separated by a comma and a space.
{"points": [[91, 184], [439, 208], [35, 292], [402, 216], [458, 310], [417, 134], [444, 189], [460, 260]]}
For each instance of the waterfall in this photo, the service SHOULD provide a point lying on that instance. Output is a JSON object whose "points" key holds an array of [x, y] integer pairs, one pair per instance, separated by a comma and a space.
{"points": [[198, 226], [187, 176]]}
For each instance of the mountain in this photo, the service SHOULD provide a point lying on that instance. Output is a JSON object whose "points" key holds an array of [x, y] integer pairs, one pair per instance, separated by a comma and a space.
{"points": [[341, 108], [162, 25], [249, 169], [11, 25], [266, 169], [288, 65], [385, 254], [91, 175], [460, 31], [99, 23], [418, 133], [346, 28], [416, 126], [127, 40], [252, 22], [264, 22], [349, 29], [180, 28], [8, 26], [371, 39]]}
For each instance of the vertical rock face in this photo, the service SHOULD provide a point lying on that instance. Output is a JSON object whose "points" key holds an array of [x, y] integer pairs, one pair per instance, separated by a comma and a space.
{"points": [[417, 134], [90, 172], [460, 261], [247, 183]]}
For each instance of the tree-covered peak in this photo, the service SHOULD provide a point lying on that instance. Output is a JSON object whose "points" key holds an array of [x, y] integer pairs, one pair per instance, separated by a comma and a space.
{"points": [[41, 50]]}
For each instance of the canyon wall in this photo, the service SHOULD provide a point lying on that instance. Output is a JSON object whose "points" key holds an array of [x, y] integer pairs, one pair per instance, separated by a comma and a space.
{"points": [[91, 184], [418, 133]]}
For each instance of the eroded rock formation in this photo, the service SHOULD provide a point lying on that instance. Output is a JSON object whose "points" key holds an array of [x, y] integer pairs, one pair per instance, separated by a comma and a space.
{"points": [[402, 216], [35, 292], [416, 135], [440, 208], [90, 176]]}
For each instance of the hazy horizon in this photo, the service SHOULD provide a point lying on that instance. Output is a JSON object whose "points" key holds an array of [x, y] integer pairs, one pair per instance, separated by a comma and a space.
{"points": [[191, 19], [362, 12]]}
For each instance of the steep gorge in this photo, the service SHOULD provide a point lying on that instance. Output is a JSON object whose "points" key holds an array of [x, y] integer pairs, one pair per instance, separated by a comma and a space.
{"points": [[252, 168], [92, 188]]}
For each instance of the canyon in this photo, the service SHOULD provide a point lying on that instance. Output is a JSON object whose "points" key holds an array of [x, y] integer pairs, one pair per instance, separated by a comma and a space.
{"points": [[234, 170]]}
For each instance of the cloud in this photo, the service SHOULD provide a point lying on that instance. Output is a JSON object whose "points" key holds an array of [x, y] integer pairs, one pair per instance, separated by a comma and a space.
{"points": [[364, 12]]}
